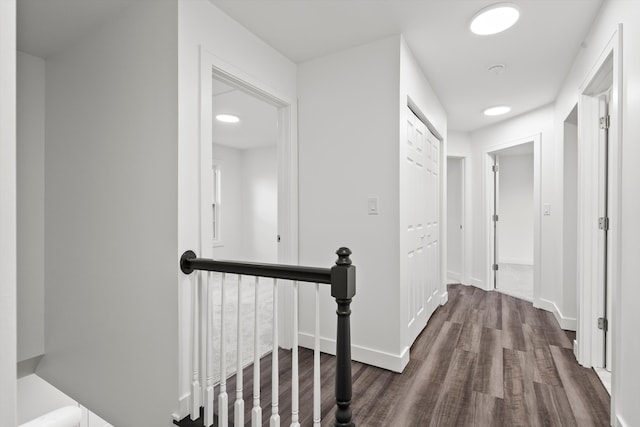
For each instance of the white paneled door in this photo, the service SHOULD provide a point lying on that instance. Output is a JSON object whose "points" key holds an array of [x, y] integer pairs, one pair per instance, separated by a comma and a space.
{"points": [[420, 185]]}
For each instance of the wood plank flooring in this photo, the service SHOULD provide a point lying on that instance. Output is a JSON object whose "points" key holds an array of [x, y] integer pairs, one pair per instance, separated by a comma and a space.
{"points": [[484, 359]]}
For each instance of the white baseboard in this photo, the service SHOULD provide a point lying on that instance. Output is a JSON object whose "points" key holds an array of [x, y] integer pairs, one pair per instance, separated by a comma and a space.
{"points": [[381, 359], [477, 283], [183, 407], [522, 261], [620, 422], [567, 323], [453, 277], [444, 298]]}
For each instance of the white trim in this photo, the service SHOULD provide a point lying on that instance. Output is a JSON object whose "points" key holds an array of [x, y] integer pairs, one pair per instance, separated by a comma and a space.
{"points": [[520, 261], [444, 298], [477, 283], [370, 356], [567, 323], [537, 203], [588, 294], [211, 65], [619, 422], [454, 277], [514, 294], [8, 331]]}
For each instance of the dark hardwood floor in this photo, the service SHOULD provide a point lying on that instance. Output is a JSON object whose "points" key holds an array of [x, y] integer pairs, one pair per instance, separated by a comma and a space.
{"points": [[484, 359]]}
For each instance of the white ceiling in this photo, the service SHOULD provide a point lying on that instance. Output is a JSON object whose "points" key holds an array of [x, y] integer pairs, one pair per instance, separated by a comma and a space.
{"points": [[45, 27], [537, 51], [258, 126]]}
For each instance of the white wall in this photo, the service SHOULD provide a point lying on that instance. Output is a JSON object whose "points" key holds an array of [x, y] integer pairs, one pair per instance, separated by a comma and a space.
{"points": [[626, 370], [8, 212], [30, 170], [541, 122], [348, 151], [454, 220], [111, 313], [515, 236], [459, 145], [231, 232], [570, 220], [202, 25], [260, 167], [415, 86], [249, 204]]}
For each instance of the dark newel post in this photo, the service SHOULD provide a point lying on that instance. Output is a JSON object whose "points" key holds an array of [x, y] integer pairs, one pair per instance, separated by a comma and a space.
{"points": [[343, 288]]}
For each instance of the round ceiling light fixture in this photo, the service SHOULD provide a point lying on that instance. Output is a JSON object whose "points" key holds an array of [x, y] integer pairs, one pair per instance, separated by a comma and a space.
{"points": [[227, 118], [497, 110], [494, 19]]}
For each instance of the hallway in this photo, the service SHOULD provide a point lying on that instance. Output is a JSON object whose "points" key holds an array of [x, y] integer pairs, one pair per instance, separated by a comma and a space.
{"points": [[484, 359]]}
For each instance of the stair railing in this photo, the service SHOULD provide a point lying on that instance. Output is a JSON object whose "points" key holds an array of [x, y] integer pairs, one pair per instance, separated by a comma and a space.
{"points": [[342, 279]]}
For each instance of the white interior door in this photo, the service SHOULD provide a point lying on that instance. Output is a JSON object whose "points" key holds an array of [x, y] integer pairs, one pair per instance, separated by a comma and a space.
{"points": [[432, 200], [421, 222], [414, 186], [603, 239]]}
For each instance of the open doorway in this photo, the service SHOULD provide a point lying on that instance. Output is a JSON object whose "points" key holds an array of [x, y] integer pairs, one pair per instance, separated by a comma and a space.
{"points": [[513, 217], [455, 219], [598, 204], [244, 176], [526, 254]]}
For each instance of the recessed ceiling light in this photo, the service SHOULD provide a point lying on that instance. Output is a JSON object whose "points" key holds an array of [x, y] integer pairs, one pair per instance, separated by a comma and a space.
{"points": [[494, 19], [227, 118], [497, 111]]}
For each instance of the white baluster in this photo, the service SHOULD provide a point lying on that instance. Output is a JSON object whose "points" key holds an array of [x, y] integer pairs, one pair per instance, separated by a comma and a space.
{"points": [[208, 395], [256, 411], [294, 361], [195, 382], [223, 410], [317, 416], [238, 409], [274, 421]]}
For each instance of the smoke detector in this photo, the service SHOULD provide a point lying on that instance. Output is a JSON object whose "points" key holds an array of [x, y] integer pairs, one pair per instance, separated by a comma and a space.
{"points": [[496, 69]]}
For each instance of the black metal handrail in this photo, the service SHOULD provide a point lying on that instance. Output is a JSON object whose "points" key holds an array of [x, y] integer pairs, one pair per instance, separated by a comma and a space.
{"points": [[341, 277]]}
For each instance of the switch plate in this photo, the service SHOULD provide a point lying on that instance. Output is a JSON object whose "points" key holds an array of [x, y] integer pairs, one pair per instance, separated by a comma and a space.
{"points": [[546, 209], [372, 206]]}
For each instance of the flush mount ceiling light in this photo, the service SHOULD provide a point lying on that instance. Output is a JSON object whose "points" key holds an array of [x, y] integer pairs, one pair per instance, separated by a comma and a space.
{"points": [[494, 19], [497, 111], [227, 118]]}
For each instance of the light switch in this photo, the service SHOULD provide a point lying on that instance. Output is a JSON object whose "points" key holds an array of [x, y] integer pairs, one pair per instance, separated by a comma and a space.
{"points": [[372, 206], [546, 209]]}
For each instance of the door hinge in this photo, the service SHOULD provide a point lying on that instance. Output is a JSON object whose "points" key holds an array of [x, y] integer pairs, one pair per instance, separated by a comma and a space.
{"points": [[603, 223], [494, 267], [495, 168], [495, 218], [605, 122], [603, 323]]}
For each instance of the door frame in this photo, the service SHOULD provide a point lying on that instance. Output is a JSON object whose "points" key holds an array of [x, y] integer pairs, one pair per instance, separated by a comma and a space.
{"points": [[463, 216], [212, 66], [487, 184], [589, 339], [8, 266]]}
